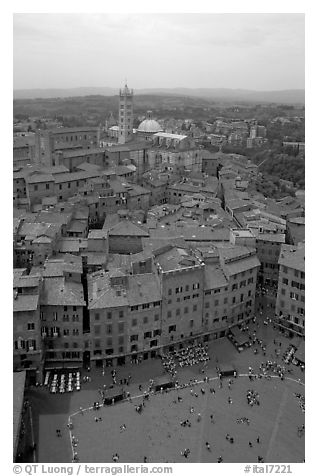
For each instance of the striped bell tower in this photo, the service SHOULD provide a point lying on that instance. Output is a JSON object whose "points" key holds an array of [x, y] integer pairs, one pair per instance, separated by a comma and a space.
{"points": [[125, 121]]}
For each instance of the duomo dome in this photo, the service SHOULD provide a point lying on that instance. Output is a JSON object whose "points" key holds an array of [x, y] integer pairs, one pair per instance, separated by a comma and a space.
{"points": [[149, 125]]}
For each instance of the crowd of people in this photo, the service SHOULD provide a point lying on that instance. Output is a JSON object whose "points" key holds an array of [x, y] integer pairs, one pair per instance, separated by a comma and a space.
{"points": [[252, 397], [301, 401], [192, 355]]}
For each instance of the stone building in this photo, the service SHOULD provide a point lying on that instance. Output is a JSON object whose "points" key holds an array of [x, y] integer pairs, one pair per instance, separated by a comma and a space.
{"points": [[290, 303]]}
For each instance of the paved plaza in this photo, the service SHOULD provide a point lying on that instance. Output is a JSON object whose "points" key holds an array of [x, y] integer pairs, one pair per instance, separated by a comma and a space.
{"points": [[156, 433]]}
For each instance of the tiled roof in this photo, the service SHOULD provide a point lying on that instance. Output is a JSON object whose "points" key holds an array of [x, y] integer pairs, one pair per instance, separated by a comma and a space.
{"points": [[59, 292], [214, 277], [241, 265], [39, 178], [127, 228], [25, 302], [142, 288], [292, 257]]}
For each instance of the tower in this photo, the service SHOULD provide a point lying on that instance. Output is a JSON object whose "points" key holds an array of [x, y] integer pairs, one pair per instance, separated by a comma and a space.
{"points": [[125, 121]]}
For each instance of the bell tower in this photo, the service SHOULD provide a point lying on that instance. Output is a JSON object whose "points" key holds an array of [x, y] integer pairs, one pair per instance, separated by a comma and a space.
{"points": [[125, 120]]}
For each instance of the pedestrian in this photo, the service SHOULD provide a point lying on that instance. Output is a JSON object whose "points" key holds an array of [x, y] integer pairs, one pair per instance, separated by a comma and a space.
{"points": [[257, 439], [145, 459], [250, 444], [208, 447], [199, 417]]}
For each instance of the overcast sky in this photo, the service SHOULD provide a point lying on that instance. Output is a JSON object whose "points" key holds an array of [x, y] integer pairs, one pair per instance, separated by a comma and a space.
{"points": [[249, 51]]}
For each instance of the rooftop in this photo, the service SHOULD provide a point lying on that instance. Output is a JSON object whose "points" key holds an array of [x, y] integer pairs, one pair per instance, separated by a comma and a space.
{"points": [[214, 277], [292, 257], [127, 228], [175, 258], [25, 302], [59, 292]]}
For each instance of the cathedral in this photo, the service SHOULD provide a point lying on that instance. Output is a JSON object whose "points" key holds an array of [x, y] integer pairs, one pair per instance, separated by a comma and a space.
{"points": [[156, 148]]}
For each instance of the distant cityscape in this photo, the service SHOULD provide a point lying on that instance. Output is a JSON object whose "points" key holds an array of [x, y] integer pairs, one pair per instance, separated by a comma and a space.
{"points": [[142, 235]]}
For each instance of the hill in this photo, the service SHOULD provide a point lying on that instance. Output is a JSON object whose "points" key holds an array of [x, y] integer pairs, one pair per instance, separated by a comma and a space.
{"points": [[289, 96]]}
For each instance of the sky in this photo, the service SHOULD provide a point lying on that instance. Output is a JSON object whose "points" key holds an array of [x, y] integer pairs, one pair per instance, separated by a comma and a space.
{"points": [[261, 51]]}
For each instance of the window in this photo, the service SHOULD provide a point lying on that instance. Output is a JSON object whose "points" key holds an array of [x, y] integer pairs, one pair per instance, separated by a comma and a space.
{"points": [[283, 291], [207, 293], [146, 306], [109, 342], [134, 308], [65, 345], [191, 323], [156, 303], [225, 300], [47, 186], [97, 330], [109, 315], [120, 327], [234, 287], [195, 307], [134, 322], [243, 284], [285, 281], [186, 298], [194, 296], [296, 273], [186, 310], [157, 332], [120, 341], [187, 288], [169, 314], [65, 308], [97, 316], [145, 320], [31, 326], [177, 312], [285, 269], [54, 316], [233, 300], [179, 290], [169, 292], [97, 343], [147, 335], [196, 286], [216, 320], [156, 318], [172, 328], [216, 302], [121, 314], [134, 338], [109, 329], [207, 305], [35, 188], [242, 297]]}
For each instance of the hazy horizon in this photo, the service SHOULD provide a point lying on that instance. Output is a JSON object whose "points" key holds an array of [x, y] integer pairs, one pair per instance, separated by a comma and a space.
{"points": [[259, 52]]}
